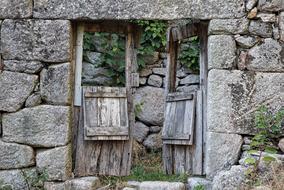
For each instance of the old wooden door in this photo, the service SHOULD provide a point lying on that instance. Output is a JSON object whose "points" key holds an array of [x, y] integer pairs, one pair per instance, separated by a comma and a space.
{"points": [[185, 123], [103, 120]]}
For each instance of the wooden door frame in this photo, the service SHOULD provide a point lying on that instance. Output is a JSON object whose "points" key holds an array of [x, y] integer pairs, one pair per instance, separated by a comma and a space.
{"points": [[132, 34], [174, 35]]}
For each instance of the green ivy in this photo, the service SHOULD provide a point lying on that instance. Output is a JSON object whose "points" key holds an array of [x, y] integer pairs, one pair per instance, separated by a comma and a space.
{"points": [[189, 53]]}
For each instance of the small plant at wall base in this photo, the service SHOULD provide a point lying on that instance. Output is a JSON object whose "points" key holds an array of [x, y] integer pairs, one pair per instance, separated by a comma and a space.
{"points": [[269, 127]]}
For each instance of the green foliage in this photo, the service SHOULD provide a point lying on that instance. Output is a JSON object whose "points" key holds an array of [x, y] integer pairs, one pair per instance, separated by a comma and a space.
{"points": [[4, 186], [199, 187], [269, 127], [189, 53], [35, 179], [138, 108]]}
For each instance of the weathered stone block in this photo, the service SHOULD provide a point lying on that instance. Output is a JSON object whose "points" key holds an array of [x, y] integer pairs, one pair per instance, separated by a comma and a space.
{"points": [[260, 28], [155, 80], [54, 186], [234, 96], [234, 179], [228, 26], [30, 67], [221, 52], [135, 9], [160, 71], [55, 84], [15, 156], [57, 162], [83, 183], [266, 57], [16, 9], [246, 41], [15, 89], [150, 98], [44, 40], [194, 182], [190, 79], [271, 5], [222, 152], [153, 141], [250, 4], [155, 185], [41, 126], [267, 17], [140, 131], [281, 26], [14, 179], [33, 100]]}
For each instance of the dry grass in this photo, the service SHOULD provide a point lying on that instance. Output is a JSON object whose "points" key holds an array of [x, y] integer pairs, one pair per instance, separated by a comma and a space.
{"points": [[272, 179]]}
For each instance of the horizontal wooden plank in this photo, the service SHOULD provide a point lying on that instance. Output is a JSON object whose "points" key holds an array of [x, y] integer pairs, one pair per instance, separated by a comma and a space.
{"points": [[106, 138], [107, 26], [177, 137], [178, 142], [107, 131], [179, 96], [104, 95]]}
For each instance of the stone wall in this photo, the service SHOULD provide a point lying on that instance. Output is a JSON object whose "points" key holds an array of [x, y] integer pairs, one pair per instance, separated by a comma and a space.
{"points": [[246, 70], [245, 51]]}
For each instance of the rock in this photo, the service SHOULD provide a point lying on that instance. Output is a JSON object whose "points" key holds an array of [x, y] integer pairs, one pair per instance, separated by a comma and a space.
{"points": [[281, 26], [83, 183], [152, 101], [247, 140], [281, 144], [151, 58], [190, 79], [135, 184], [259, 28], [191, 88], [155, 80], [252, 14], [221, 52], [233, 179], [265, 57], [16, 9], [276, 33], [159, 71], [242, 62], [30, 67], [218, 158], [270, 5], [145, 72], [246, 147], [153, 141], [43, 40], [234, 96], [33, 100], [98, 10], [15, 156], [155, 129], [0, 124], [246, 41], [195, 182], [15, 89], [266, 17], [41, 126], [142, 80], [140, 131], [14, 179], [54, 186], [93, 57], [129, 188], [55, 84], [161, 185], [181, 74], [57, 162], [261, 188], [228, 26], [251, 4]]}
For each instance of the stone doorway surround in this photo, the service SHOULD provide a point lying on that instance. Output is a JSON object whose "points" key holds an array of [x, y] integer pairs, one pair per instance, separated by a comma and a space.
{"points": [[245, 60]]}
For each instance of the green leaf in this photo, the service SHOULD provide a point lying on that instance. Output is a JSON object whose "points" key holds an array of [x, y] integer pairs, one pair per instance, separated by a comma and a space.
{"points": [[268, 159], [250, 161]]}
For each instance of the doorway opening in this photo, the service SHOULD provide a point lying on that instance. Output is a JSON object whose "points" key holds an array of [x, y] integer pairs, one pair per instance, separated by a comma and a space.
{"points": [[136, 80]]}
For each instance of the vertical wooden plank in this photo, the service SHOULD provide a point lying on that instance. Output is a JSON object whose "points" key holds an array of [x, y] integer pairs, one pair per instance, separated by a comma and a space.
{"points": [[168, 161], [203, 36], [179, 156], [197, 157], [78, 67]]}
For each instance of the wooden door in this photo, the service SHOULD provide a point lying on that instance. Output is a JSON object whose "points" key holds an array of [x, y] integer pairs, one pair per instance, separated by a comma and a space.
{"points": [[102, 123], [184, 126]]}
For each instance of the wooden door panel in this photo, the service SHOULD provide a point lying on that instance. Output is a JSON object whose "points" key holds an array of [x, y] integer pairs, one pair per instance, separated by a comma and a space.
{"points": [[180, 119], [106, 116]]}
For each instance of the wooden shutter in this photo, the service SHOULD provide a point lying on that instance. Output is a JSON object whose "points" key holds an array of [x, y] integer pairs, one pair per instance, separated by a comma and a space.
{"points": [[179, 118], [106, 116]]}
